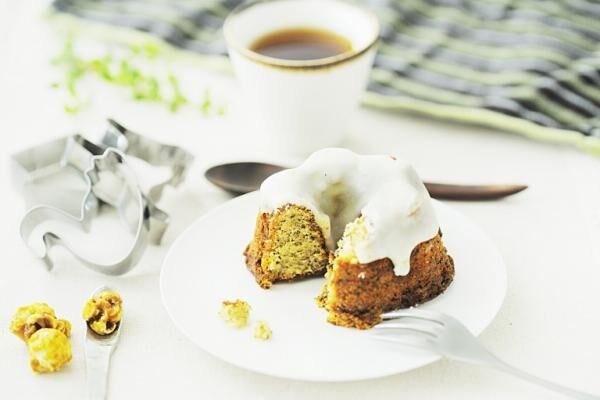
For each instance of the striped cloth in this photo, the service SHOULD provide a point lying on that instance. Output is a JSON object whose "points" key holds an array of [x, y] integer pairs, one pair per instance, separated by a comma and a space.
{"points": [[529, 66]]}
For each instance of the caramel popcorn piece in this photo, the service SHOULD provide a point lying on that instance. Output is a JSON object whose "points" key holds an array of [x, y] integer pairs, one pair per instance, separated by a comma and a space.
{"points": [[36, 322], [49, 350], [103, 312], [45, 335], [19, 323], [29, 319]]}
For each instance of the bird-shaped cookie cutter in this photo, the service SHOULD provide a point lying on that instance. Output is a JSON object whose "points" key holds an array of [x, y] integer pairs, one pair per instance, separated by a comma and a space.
{"points": [[110, 162], [108, 180]]}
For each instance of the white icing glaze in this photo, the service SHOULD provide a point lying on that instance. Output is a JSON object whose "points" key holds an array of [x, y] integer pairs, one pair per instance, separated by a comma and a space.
{"points": [[338, 186]]}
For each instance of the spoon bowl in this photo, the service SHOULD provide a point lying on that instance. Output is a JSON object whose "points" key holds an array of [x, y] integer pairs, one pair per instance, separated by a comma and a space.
{"points": [[241, 177]]}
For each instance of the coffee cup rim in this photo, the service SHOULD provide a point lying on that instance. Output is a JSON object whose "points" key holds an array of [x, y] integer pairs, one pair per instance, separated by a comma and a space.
{"points": [[233, 44]]}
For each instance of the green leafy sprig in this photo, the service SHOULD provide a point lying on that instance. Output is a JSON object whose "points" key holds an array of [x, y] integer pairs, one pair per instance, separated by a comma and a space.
{"points": [[124, 71]]}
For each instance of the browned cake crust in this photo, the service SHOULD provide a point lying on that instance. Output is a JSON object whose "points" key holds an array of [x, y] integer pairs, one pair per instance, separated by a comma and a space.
{"points": [[254, 250], [356, 294]]}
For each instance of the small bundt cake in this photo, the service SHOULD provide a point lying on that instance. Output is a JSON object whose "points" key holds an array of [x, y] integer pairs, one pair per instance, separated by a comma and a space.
{"points": [[389, 251]]}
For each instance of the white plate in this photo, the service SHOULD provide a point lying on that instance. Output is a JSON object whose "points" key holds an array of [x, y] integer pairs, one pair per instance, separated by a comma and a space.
{"points": [[205, 266]]}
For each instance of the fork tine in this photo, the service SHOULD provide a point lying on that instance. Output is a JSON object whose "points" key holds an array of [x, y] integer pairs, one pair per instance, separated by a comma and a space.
{"points": [[409, 340], [413, 313], [405, 328], [408, 326]]}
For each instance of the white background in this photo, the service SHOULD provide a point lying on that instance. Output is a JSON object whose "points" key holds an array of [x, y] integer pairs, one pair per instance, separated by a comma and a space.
{"points": [[548, 235]]}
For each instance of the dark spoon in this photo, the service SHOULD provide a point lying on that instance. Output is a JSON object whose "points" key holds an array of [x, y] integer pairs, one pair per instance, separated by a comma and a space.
{"points": [[244, 177]]}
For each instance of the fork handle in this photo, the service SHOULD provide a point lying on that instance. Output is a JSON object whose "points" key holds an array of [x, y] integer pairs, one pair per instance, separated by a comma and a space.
{"points": [[576, 394]]}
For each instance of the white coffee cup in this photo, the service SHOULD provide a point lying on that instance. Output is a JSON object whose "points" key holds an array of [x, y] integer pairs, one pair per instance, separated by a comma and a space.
{"points": [[298, 106]]}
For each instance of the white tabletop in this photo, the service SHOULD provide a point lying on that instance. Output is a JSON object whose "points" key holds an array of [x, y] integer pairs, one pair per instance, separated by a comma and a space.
{"points": [[549, 323]]}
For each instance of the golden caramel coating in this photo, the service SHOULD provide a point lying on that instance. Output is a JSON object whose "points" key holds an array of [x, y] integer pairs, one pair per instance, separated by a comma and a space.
{"points": [[103, 312], [19, 321], [35, 322], [31, 318], [63, 325], [262, 331], [49, 350], [235, 313]]}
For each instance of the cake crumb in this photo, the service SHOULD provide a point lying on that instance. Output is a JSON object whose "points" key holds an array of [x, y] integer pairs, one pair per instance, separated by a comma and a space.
{"points": [[235, 313], [262, 331]]}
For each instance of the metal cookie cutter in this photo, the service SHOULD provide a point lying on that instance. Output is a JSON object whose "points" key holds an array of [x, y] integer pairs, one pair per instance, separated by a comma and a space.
{"points": [[106, 170], [153, 152], [76, 192], [53, 174]]}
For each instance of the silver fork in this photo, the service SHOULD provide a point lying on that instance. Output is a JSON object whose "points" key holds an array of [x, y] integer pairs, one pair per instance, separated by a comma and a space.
{"points": [[450, 338]]}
